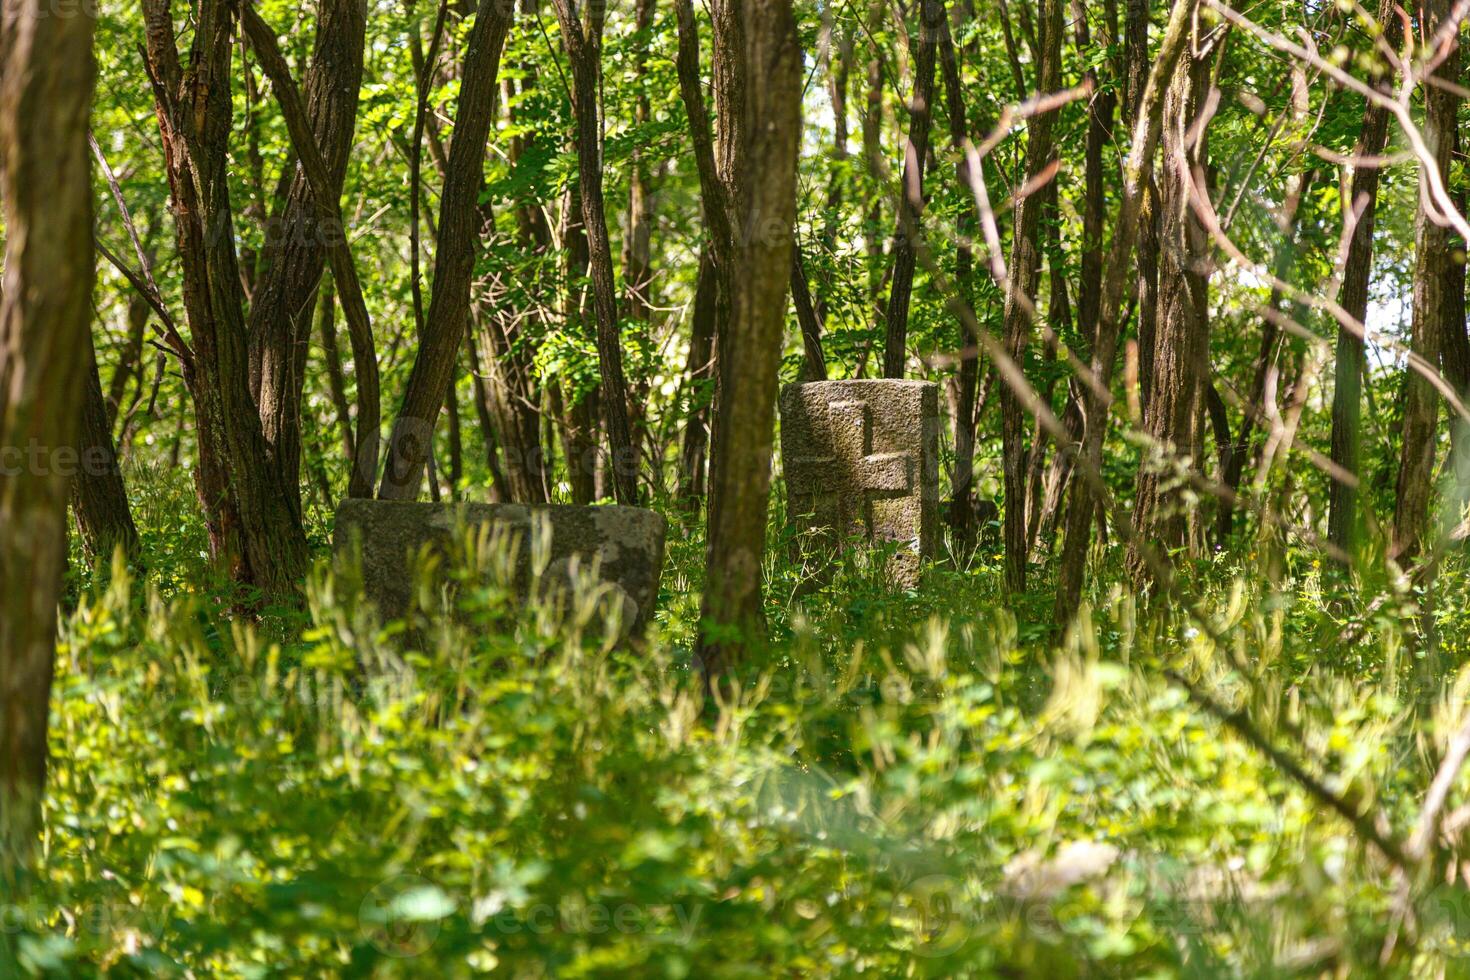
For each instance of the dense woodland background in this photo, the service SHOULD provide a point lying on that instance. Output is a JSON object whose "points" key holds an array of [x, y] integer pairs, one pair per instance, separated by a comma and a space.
{"points": [[1183, 691]]}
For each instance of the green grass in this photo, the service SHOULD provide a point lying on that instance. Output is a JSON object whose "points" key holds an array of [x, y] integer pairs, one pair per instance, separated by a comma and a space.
{"points": [[886, 791]]}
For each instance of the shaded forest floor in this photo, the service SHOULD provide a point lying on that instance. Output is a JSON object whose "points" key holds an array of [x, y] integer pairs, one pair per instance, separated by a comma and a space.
{"points": [[903, 784]]}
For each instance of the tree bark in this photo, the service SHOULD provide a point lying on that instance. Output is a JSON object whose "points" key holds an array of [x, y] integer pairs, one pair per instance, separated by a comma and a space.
{"points": [[1174, 398], [510, 391], [750, 353], [1020, 305], [46, 77], [872, 129], [911, 193], [500, 491], [298, 235], [698, 371], [813, 363], [130, 362], [961, 509], [324, 190], [637, 242], [579, 420], [1137, 172], [99, 499], [254, 525], [1344, 522], [1439, 308], [454, 263], [712, 157], [584, 53], [1100, 124], [326, 305]]}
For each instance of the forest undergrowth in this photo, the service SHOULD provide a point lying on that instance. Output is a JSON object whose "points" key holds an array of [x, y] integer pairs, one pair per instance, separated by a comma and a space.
{"points": [[918, 783]]}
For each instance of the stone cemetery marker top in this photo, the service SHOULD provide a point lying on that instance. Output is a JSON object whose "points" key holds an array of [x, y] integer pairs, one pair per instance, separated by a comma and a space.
{"points": [[626, 545], [862, 461]]}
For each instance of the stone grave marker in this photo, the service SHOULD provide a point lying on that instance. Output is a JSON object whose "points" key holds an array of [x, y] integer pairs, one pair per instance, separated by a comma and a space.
{"points": [[862, 462], [624, 544]]}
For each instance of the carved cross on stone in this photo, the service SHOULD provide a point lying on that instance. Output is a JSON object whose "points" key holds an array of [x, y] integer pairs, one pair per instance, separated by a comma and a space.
{"points": [[861, 461], [843, 486]]}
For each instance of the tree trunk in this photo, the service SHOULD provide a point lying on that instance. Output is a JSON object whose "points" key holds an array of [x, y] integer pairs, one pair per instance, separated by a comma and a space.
{"points": [[1020, 306], [1344, 523], [841, 69], [500, 489], [1162, 514], [253, 521], [637, 242], [813, 364], [911, 193], [961, 509], [297, 238], [46, 76], [1100, 117], [1439, 308], [713, 157], [698, 371], [130, 361], [99, 499], [332, 357], [1059, 325], [750, 353], [435, 365], [584, 53], [1137, 172], [510, 392], [579, 422], [872, 126]]}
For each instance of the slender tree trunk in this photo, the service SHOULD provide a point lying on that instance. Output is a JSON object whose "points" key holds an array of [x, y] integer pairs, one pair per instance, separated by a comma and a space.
{"points": [[1101, 112], [750, 353], [1344, 523], [331, 230], [1137, 172], [580, 420], [99, 499], [713, 157], [326, 319], [1162, 516], [872, 126], [252, 516], [130, 362], [637, 272], [911, 194], [1439, 308], [637, 247], [459, 225], [46, 76], [961, 509], [1135, 56], [814, 364], [297, 237], [698, 371], [500, 488], [1020, 308], [584, 53], [1059, 325], [841, 69], [510, 391]]}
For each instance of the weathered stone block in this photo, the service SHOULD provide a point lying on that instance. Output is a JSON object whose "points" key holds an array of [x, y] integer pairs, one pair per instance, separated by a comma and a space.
{"points": [[862, 461], [624, 544]]}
